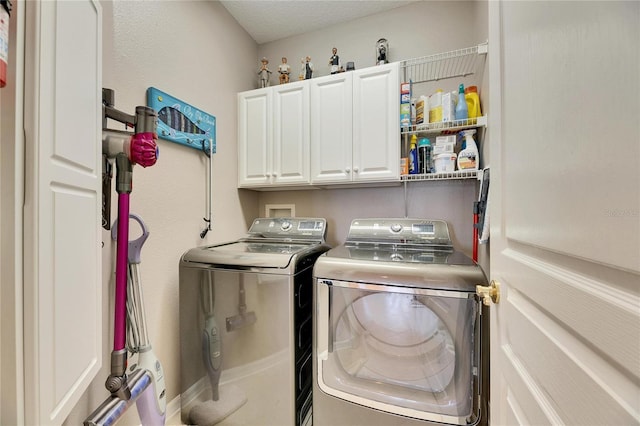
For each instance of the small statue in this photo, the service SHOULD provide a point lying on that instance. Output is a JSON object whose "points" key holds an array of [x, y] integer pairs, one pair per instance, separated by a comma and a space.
{"points": [[308, 68], [284, 69], [382, 47], [334, 61], [303, 68], [264, 74]]}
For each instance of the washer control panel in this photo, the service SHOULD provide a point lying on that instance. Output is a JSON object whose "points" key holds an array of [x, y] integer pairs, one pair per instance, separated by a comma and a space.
{"points": [[289, 228]]}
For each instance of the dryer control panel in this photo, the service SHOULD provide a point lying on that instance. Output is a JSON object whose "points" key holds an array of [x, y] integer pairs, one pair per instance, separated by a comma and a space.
{"points": [[400, 231]]}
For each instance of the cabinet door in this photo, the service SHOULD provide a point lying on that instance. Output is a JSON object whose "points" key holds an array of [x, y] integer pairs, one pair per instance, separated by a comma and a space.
{"points": [[331, 129], [376, 123], [62, 211], [291, 133], [254, 138]]}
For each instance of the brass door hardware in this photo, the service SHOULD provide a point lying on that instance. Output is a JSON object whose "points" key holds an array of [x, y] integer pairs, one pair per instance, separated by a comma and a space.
{"points": [[489, 293]]}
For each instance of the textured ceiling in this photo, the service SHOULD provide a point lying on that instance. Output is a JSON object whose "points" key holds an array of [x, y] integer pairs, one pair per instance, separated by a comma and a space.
{"points": [[267, 20]]}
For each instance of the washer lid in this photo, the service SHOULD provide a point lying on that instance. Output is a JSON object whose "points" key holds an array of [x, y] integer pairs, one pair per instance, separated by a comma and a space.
{"points": [[243, 253]]}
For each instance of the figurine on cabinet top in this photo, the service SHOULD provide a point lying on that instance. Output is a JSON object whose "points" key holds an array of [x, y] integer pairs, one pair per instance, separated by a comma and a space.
{"points": [[308, 68], [284, 69], [334, 61], [264, 74], [302, 69], [382, 49]]}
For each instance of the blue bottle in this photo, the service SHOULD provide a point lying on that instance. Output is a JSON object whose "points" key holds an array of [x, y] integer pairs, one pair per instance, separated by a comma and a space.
{"points": [[462, 111], [413, 156]]}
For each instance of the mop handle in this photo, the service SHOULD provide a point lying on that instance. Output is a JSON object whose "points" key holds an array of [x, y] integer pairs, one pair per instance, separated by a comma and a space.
{"points": [[122, 254]]}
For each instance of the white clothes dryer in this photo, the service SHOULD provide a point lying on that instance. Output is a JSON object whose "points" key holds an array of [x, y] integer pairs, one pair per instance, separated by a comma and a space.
{"points": [[398, 329]]}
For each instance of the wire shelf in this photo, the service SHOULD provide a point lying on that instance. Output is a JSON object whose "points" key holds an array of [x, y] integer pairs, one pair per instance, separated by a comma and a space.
{"points": [[449, 127], [456, 63], [459, 174]]}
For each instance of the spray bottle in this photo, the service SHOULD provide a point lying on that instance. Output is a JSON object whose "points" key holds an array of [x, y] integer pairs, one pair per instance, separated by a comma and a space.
{"points": [[413, 156], [468, 158], [462, 111]]}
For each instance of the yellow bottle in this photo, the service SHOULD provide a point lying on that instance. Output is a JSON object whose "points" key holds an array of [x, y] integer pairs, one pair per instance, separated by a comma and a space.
{"points": [[435, 107], [473, 101]]}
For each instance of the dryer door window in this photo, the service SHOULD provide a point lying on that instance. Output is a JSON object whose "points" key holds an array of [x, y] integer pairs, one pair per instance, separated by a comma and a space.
{"points": [[402, 350]]}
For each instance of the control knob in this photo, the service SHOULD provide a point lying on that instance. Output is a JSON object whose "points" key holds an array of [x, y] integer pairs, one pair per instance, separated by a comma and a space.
{"points": [[396, 227]]}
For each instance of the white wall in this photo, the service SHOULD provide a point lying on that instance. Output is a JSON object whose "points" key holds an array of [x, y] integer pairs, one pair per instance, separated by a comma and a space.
{"points": [[416, 30], [196, 52]]}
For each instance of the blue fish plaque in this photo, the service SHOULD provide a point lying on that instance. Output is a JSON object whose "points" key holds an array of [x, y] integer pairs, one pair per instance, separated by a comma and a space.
{"points": [[182, 123]]}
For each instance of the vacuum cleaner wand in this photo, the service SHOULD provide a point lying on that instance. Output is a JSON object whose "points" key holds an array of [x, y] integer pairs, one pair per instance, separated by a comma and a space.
{"points": [[127, 149]]}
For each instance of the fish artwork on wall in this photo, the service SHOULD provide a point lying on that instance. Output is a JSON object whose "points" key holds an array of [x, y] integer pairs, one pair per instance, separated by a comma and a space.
{"points": [[182, 123]]}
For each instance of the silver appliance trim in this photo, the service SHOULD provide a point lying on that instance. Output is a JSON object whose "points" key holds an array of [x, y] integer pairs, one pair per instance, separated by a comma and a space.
{"points": [[400, 289]]}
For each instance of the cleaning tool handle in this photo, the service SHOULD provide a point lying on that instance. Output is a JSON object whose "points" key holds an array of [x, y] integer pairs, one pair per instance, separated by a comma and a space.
{"points": [[135, 246], [120, 311]]}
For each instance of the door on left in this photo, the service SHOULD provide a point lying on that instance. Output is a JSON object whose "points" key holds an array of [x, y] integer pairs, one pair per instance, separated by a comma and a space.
{"points": [[62, 213]]}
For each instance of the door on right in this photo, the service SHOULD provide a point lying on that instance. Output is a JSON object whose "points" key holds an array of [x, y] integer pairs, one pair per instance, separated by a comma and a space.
{"points": [[565, 212]]}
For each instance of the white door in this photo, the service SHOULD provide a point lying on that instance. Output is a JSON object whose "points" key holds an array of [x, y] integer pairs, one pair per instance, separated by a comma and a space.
{"points": [[291, 133], [376, 123], [254, 138], [331, 128], [62, 267], [565, 212]]}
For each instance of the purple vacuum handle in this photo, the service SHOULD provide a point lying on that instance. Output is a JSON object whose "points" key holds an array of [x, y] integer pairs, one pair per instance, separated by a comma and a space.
{"points": [[135, 246]]}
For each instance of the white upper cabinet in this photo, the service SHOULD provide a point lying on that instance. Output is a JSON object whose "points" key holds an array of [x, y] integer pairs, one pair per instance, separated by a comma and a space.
{"points": [[355, 126], [331, 130], [290, 161], [341, 128], [254, 138], [376, 123], [273, 136]]}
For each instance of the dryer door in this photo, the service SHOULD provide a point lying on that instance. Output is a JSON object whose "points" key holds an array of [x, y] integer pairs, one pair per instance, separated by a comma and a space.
{"points": [[403, 350]]}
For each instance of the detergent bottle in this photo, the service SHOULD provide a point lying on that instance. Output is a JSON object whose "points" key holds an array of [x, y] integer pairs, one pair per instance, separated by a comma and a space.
{"points": [[462, 112], [468, 158], [413, 156], [473, 101]]}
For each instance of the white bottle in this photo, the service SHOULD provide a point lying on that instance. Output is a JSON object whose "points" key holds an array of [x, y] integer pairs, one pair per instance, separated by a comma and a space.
{"points": [[468, 158]]}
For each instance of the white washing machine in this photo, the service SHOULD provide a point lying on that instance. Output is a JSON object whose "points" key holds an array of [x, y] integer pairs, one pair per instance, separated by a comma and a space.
{"points": [[398, 329]]}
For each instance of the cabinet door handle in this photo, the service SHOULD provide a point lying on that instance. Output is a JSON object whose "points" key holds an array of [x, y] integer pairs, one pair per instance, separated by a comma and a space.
{"points": [[356, 170], [275, 174], [348, 170]]}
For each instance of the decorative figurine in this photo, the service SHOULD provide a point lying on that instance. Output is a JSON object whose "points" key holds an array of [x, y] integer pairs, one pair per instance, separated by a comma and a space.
{"points": [[302, 69], [382, 48], [308, 68], [334, 61], [264, 74], [284, 69]]}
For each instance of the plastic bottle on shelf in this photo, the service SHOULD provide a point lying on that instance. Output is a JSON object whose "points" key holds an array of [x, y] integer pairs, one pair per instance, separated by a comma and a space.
{"points": [[462, 112], [468, 158], [413, 156], [473, 101], [435, 107], [424, 156]]}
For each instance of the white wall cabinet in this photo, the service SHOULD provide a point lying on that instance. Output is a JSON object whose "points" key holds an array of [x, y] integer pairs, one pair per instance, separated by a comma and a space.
{"points": [[273, 136], [341, 128], [355, 126]]}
